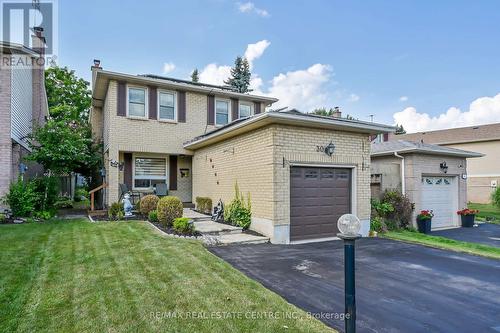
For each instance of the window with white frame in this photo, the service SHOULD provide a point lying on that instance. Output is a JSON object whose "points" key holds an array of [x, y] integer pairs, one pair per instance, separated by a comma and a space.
{"points": [[137, 102], [221, 112], [149, 171], [166, 106], [245, 110]]}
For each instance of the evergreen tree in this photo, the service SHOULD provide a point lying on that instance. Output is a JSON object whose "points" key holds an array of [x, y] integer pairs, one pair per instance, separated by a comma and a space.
{"points": [[400, 129], [240, 75], [195, 76]]}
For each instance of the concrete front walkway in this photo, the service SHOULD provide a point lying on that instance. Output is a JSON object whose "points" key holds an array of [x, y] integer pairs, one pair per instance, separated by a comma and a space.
{"points": [[485, 233], [400, 287]]}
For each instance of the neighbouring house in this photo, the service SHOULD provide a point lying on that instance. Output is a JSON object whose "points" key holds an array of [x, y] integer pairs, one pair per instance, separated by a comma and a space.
{"points": [[23, 105], [301, 171], [433, 177], [483, 173]]}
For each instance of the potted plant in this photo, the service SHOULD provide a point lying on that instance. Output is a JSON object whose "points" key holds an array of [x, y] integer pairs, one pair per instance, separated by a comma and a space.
{"points": [[468, 216], [424, 220]]}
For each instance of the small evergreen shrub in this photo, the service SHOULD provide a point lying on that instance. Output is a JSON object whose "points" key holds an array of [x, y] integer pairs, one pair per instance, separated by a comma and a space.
{"points": [[169, 208], [376, 224], [115, 211], [148, 203], [81, 194], [204, 205], [239, 211], [495, 197], [153, 216], [63, 202], [183, 225]]}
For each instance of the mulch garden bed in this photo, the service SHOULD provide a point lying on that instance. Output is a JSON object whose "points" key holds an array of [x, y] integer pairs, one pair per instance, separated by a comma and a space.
{"points": [[171, 231]]}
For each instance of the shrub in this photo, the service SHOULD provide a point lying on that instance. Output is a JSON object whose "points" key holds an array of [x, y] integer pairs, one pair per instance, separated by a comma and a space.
{"points": [[382, 208], [495, 197], [148, 203], [377, 225], [115, 211], [183, 225], [169, 208], [63, 202], [22, 198], [238, 212], [43, 215], [81, 194], [402, 213], [204, 205], [153, 216]]}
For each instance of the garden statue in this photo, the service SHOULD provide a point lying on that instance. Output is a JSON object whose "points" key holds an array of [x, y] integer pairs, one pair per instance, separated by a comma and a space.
{"points": [[127, 206]]}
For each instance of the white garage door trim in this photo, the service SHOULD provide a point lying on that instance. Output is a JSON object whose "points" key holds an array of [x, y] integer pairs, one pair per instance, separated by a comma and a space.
{"points": [[441, 184]]}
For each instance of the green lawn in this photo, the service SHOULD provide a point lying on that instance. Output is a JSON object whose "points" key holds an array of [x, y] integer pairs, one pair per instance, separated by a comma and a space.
{"points": [[444, 243], [486, 210], [76, 276]]}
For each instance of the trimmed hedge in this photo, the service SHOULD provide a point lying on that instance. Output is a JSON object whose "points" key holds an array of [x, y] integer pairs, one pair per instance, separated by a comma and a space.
{"points": [[204, 205], [183, 225], [169, 208], [148, 203]]}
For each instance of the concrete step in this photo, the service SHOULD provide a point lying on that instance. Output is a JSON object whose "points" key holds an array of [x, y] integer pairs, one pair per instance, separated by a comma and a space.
{"points": [[208, 227], [240, 238]]}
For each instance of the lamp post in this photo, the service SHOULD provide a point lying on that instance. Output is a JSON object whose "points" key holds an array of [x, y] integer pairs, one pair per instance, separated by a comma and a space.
{"points": [[349, 226]]}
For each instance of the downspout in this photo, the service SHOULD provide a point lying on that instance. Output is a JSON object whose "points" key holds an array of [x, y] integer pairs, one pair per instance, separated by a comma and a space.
{"points": [[403, 189]]}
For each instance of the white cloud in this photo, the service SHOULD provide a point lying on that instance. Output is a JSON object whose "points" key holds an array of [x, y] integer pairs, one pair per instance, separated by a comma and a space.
{"points": [[301, 89], [353, 98], [216, 74], [403, 98], [249, 7], [168, 67], [255, 51], [481, 111]]}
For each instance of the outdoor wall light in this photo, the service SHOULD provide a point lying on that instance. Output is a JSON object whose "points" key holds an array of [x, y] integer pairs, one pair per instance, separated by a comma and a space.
{"points": [[443, 167], [349, 226]]}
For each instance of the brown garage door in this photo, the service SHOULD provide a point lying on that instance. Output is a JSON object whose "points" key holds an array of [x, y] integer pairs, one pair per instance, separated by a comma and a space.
{"points": [[318, 197]]}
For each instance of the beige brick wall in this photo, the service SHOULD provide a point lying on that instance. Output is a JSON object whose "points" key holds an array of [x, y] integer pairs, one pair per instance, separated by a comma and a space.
{"points": [[122, 134], [255, 160], [247, 159]]}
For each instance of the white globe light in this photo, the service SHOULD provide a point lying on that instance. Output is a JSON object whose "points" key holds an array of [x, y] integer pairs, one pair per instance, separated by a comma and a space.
{"points": [[349, 224]]}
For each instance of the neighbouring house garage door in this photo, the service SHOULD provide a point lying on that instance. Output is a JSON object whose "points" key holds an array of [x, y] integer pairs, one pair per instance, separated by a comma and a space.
{"points": [[440, 195], [318, 197]]}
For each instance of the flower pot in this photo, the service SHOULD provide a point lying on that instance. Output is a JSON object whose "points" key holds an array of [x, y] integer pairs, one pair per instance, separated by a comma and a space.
{"points": [[468, 221], [424, 226]]}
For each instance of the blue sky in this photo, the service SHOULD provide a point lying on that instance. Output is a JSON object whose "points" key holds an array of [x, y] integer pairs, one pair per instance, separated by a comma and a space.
{"points": [[416, 59]]}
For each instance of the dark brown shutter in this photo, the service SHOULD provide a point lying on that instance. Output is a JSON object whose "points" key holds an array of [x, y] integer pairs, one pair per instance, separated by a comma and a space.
{"points": [[386, 137], [153, 103], [211, 110], [234, 109], [122, 99], [181, 106], [172, 172], [256, 107], [127, 169]]}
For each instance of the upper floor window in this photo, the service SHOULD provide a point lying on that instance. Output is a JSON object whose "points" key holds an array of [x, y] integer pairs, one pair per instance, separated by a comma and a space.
{"points": [[221, 111], [137, 102], [245, 109], [166, 105]]}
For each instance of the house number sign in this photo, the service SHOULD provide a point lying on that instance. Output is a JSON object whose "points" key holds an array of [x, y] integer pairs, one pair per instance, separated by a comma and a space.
{"points": [[329, 149]]}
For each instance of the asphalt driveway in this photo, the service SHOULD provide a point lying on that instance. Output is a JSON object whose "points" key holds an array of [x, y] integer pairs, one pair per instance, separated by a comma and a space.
{"points": [[485, 233], [400, 287]]}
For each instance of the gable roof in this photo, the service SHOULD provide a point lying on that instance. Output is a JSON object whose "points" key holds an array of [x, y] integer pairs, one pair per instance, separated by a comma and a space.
{"points": [[406, 147], [101, 78], [479, 133], [292, 117]]}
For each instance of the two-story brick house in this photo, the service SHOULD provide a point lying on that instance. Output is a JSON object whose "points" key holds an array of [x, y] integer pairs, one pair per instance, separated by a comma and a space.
{"points": [[302, 171], [23, 105]]}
